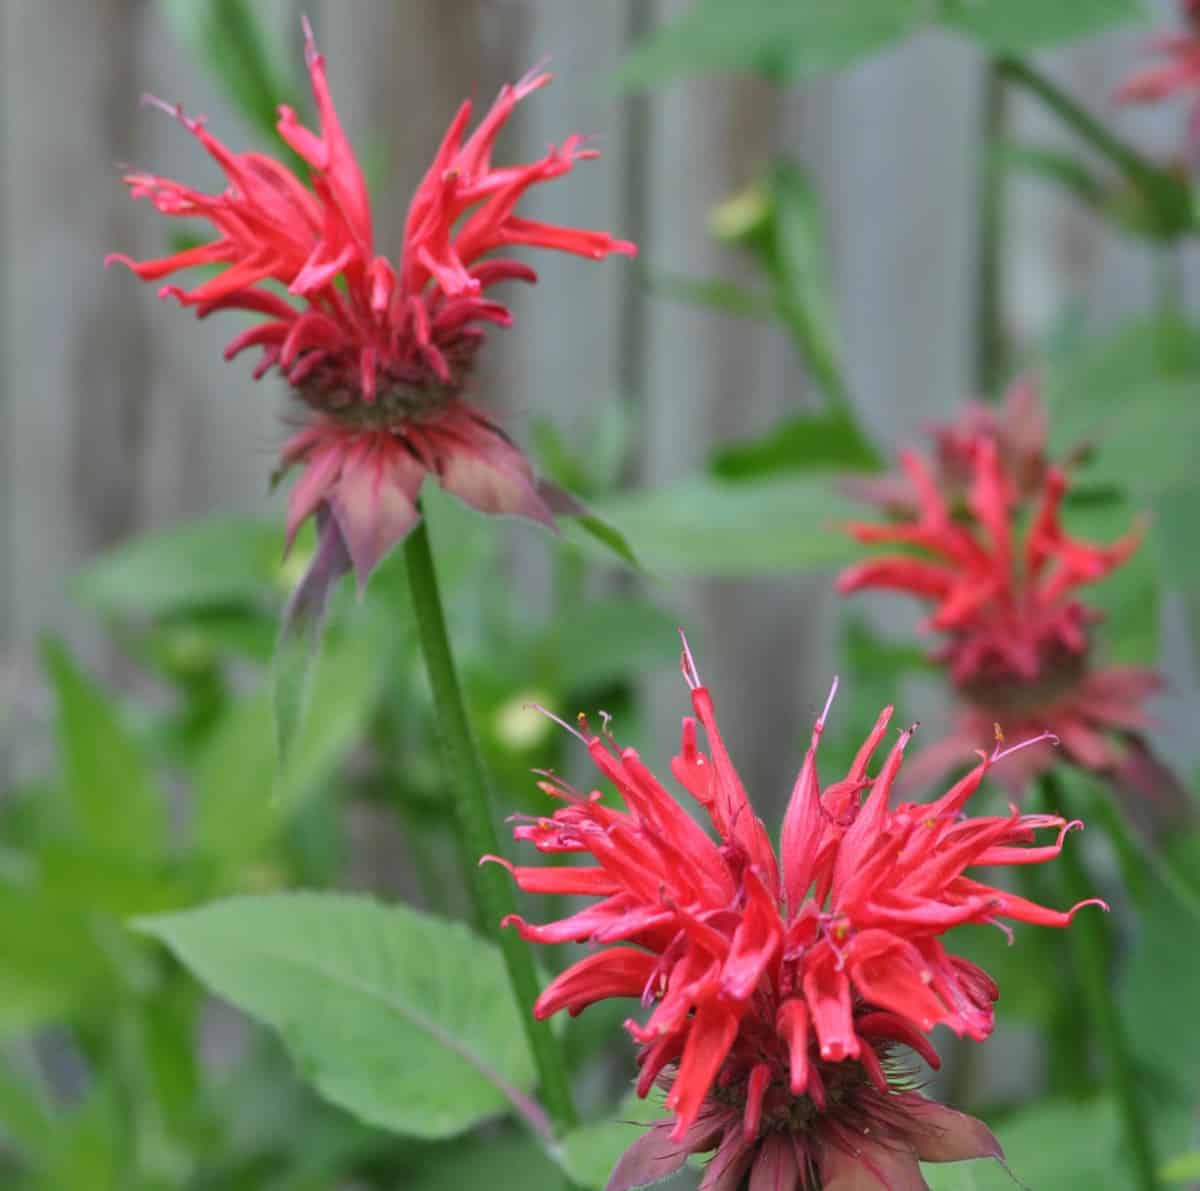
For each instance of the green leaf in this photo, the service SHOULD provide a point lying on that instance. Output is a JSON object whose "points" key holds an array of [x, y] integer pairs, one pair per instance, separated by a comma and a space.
{"points": [[1183, 1169], [800, 273], [243, 797], [115, 802], [401, 1018], [706, 526], [1020, 25], [804, 442], [1148, 444], [792, 39], [782, 39], [53, 967], [90, 1150], [1129, 597], [608, 640], [601, 538], [226, 36], [235, 777], [500, 1164], [1158, 989], [223, 560], [26, 1121]]}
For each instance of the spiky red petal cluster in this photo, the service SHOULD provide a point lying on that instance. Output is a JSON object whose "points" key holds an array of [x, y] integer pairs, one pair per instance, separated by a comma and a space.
{"points": [[744, 954], [858, 1130], [1016, 636], [379, 350]]}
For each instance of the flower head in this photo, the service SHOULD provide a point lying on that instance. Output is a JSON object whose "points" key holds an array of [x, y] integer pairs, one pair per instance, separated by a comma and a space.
{"points": [[1016, 635], [762, 969], [378, 351], [865, 1128], [1178, 73]]}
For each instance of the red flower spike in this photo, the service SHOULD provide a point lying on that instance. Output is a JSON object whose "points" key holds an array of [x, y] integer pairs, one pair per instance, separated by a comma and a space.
{"points": [[775, 987], [1016, 635], [379, 352], [861, 1131]]}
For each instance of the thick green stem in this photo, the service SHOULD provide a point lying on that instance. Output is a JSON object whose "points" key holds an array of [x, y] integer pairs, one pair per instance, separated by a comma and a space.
{"points": [[1090, 946], [1166, 195], [492, 887]]}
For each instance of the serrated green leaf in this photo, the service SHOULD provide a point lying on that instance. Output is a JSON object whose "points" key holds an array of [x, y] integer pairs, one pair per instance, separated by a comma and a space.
{"points": [[1017, 26], [115, 802], [782, 39], [399, 1017], [706, 526], [223, 560]]}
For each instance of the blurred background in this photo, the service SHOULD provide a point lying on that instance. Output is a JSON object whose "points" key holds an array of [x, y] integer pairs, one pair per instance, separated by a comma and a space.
{"points": [[120, 419]]}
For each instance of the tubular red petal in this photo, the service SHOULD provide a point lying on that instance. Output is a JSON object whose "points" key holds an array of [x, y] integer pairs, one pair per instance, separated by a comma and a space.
{"points": [[792, 1024], [618, 972]]}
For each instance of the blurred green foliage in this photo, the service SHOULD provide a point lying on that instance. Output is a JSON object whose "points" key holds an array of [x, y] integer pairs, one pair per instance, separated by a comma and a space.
{"points": [[170, 793]]}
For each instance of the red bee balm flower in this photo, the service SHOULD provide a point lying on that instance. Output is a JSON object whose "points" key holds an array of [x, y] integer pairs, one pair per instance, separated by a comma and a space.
{"points": [[1178, 73], [1016, 638], [768, 974], [379, 352]]}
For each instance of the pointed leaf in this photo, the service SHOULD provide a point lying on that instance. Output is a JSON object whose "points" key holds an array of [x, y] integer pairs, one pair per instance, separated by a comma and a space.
{"points": [[401, 1018], [1020, 25], [114, 799], [601, 538], [778, 38]]}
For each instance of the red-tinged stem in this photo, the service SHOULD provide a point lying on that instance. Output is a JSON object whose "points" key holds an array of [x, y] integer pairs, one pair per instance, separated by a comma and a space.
{"points": [[492, 887], [1088, 936]]}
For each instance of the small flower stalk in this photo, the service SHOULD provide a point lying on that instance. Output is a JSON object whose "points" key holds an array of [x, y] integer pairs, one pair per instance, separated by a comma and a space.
{"points": [[377, 352], [983, 544], [780, 986]]}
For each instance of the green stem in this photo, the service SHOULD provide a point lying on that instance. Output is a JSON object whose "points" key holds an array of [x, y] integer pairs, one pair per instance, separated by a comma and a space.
{"points": [[1165, 194], [1090, 945], [492, 887]]}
